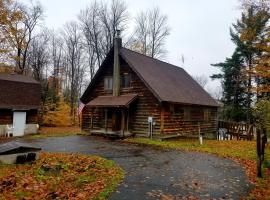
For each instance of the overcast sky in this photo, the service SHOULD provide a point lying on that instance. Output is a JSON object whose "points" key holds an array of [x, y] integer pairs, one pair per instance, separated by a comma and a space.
{"points": [[199, 28]]}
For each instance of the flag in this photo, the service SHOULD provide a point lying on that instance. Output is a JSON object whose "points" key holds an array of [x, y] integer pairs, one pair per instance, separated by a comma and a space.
{"points": [[80, 108]]}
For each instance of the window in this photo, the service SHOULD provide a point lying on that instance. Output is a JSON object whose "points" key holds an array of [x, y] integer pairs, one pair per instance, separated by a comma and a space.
{"points": [[206, 114], [197, 114], [186, 114], [108, 83], [179, 110], [176, 109], [125, 80]]}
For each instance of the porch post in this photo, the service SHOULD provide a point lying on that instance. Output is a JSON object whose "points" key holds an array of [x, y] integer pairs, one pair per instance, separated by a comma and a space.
{"points": [[162, 113], [128, 119], [123, 122], [106, 119], [91, 119]]}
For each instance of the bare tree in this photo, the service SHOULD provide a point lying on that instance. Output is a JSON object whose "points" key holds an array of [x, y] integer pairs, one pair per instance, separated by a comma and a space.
{"points": [[75, 68], [38, 55], [113, 17], [57, 59], [201, 79], [260, 4], [151, 32], [22, 32], [99, 23], [91, 27]]}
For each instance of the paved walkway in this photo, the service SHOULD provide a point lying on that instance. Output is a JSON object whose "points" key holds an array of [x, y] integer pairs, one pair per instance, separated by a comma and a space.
{"points": [[158, 174]]}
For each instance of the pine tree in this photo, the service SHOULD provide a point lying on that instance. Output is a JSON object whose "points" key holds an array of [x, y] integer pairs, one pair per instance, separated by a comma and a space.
{"points": [[233, 84], [246, 34]]}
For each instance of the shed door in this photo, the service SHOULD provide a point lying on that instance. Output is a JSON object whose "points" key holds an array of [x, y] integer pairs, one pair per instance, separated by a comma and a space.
{"points": [[19, 121]]}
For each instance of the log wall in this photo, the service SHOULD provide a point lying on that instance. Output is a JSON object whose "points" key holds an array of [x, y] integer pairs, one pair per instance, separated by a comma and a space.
{"points": [[184, 119], [145, 105]]}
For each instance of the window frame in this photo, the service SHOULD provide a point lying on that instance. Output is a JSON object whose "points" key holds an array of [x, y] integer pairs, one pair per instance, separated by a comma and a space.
{"points": [[108, 81], [123, 80]]}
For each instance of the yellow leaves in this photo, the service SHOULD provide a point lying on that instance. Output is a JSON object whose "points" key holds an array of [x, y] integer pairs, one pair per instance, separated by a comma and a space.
{"points": [[58, 117]]}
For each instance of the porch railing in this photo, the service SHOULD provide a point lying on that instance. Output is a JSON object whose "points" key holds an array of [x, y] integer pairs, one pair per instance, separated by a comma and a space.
{"points": [[231, 130]]}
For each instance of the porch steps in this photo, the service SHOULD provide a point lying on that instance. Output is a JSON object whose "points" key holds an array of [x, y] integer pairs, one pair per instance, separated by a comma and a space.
{"points": [[163, 137], [110, 135]]}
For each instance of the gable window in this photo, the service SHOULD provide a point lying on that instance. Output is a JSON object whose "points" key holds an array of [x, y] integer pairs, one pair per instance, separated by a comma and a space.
{"points": [[125, 80], [108, 83]]}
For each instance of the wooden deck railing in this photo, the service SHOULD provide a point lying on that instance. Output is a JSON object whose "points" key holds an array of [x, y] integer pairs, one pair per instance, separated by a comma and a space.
{"points": [[238, 130]]}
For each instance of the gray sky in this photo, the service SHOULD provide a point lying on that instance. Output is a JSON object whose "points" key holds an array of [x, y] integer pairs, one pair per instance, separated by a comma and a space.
{"points": [[199, 28]]}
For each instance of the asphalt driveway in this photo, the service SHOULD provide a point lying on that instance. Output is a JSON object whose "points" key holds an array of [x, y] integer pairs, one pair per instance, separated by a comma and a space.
{"points": [[159, 174]]}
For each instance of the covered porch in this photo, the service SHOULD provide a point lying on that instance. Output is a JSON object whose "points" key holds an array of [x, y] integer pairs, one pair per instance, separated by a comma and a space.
{"points": [[110, 115]]}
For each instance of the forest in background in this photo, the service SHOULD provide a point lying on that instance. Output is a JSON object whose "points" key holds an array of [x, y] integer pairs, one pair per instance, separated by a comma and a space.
{"points": [[65, 61]]}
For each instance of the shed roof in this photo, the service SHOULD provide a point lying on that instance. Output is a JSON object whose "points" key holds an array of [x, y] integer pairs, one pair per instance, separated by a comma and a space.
{"points": [[16, 147], [113, 101], [17, 78], [19, 92]]}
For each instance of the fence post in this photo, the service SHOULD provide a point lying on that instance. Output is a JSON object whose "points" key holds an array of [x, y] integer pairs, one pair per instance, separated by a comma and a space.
{"points": [[264, 141], [259, 153]]}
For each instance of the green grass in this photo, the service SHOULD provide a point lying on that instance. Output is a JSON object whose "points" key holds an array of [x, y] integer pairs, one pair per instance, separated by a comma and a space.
{"points": [[38, 136], [237, 149]]}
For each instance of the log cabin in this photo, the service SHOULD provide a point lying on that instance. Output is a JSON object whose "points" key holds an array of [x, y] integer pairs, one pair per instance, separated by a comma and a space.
{"points": [[20, 98], [133, 94]]}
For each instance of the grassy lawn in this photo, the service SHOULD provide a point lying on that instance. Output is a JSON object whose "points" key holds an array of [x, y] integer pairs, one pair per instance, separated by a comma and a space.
{"points": [[243, 152], [60, 176], [57, 132]]}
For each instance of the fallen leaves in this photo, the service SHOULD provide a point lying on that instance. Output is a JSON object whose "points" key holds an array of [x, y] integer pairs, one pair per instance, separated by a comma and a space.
{"points": [[243, 152], [60, 176]]}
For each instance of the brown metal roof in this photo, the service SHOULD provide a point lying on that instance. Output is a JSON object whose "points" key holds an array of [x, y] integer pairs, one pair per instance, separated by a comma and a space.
{"points": [[112, 101], [168, 82], [19, 92], [17, 78]]}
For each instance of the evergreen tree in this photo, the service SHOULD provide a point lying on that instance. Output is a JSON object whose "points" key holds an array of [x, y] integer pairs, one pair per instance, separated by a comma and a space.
{"points": [[246, 34], [233, 84], [238, 79]]}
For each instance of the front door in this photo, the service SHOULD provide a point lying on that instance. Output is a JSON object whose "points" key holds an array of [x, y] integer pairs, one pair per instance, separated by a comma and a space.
{"points": [[116, 120], [19, 122]]}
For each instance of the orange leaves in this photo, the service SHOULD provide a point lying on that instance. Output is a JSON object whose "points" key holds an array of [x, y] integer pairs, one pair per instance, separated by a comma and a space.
{"points": [[62, 176], [59, 116]]}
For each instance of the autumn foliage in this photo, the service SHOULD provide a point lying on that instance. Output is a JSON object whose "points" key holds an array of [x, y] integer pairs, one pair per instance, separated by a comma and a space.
{"points": [[60, 176], [58, 116]]}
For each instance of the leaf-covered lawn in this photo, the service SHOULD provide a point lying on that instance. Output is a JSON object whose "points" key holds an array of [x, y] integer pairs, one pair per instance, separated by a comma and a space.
{"points": [[60, 176], [57, 132], [243, 152]]}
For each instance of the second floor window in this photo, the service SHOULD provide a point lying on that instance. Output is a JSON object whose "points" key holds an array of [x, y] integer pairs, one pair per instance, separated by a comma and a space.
{"points": [[125, 80], [108, 83]]}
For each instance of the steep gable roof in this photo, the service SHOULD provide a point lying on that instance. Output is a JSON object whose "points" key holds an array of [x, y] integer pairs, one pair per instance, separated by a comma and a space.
{"points": [[167, 82]]}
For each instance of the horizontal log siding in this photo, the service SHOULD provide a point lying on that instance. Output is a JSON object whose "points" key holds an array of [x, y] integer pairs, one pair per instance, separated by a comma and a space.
{"points": [[145, 105], [6, 116], [31, 117], [175, 123]]}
